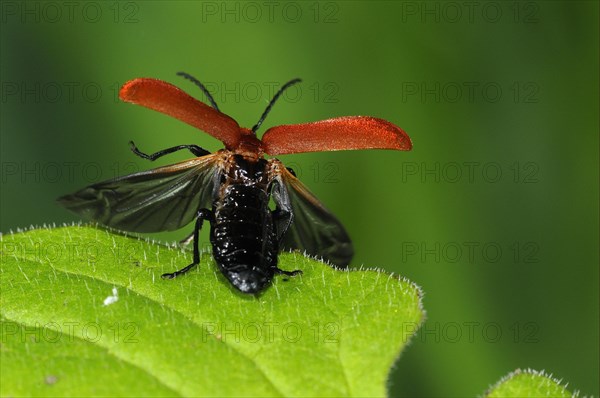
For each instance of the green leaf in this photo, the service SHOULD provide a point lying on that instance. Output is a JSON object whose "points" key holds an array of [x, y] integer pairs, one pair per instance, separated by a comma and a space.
{"points": [[65, 333], [528, 383]]}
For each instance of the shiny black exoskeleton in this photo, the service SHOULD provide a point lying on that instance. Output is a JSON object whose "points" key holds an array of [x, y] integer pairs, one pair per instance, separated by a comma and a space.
{"points": [[245, 232]]}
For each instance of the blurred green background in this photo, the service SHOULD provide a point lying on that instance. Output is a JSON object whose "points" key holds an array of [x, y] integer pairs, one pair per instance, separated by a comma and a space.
{"points": [[494, 213]]}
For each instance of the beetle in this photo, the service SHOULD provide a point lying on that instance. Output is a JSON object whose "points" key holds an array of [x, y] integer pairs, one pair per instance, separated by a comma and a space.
{"points": [[232, 188]]}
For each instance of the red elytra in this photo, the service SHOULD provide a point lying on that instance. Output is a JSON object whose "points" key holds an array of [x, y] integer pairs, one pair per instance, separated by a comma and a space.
{"points": [[336, 134]]}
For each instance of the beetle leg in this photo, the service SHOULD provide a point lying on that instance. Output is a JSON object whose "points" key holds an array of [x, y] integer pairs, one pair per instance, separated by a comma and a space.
{"points": [[292, 172], [288, 273], [195, 149], [203, 214], [187, 240]]}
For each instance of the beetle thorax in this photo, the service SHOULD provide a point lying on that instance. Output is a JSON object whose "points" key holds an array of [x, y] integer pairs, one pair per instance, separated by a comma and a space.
{"points": [[249, 146], [247, 171]]}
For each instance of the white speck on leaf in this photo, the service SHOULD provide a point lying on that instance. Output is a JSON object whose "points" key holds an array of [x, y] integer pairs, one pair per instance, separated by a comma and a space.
{"points": [[112, 299]]}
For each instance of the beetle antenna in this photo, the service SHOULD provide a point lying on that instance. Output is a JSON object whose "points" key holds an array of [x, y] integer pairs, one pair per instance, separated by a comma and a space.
{"points": [[202, 87], [275, 97]]}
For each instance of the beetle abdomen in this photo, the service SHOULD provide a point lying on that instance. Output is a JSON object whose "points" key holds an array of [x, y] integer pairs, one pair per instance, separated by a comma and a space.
{"points": [[243, 238]]}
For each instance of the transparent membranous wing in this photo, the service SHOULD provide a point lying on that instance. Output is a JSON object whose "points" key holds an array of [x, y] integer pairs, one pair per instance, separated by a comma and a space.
{"points": [[162, 199]]}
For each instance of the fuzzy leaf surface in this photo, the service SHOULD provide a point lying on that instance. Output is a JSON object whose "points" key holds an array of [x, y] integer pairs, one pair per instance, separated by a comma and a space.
{"points": [[84, 312]]}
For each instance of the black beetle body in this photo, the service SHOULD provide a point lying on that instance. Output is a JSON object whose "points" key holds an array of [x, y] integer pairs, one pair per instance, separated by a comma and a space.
{"points": [[242, 234]]}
